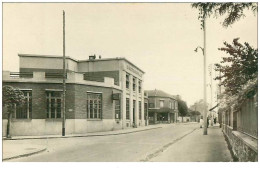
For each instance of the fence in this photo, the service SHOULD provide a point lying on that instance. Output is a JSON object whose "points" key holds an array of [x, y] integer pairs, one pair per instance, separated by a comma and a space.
{"points": [[21, 74], [245, 119]]}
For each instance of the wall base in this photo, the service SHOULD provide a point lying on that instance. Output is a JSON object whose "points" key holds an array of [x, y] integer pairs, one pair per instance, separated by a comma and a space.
{"points": [[244, 147], [38, 127]]}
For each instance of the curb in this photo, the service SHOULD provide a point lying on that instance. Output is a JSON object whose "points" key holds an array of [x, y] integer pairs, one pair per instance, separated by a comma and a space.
{"points": [[164, 147], [89, 135], [24, 155], [229, 146]]}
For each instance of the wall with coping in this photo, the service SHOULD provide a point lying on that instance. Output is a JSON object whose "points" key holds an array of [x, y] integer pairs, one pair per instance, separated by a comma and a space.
{"points": [[244, 147], [31, 63], [39, 77], [38, 127]]}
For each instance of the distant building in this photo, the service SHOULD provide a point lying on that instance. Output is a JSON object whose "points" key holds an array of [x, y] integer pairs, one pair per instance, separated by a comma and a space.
{"points": [[199, 106], [163, 107], [101, 95]]}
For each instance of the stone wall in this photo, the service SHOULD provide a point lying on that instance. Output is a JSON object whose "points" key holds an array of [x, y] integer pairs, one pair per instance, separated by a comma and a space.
{"points": [[244, 147]]}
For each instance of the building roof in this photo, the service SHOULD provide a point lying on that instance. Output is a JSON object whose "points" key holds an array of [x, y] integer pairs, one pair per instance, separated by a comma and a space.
{"points": [[158, 93], [110, 59], [46, 56], [68, 57]]}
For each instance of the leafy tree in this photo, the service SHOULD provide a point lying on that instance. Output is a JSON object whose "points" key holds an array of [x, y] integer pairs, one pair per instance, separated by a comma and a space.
{"points": [[239, 67], [11, 97], [233, 10], [194, 113], [183, 108]]}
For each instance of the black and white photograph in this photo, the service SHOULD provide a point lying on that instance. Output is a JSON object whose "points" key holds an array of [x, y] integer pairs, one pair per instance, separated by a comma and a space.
{"points": [[130, 82]]}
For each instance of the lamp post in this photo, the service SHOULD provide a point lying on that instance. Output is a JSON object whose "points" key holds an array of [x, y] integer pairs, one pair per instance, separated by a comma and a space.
{"points": [[205, 132], [64, 78]]}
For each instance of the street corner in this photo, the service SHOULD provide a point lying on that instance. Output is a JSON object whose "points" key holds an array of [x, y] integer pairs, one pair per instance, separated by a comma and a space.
{"points": [[13, 150]]}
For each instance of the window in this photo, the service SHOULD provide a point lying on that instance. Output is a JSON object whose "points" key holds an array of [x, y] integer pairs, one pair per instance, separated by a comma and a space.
{"points": [[127, 108], [127, 81], [151, 105], [117, 109], [54, 104], [161, 103], [139, 86], [145, 110], [140, 110], [134, 85], [24, 111], [94, 107], [134, 104]]}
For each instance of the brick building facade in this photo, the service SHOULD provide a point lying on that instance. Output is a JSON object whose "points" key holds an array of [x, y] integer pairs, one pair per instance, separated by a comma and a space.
{"points": [[90, 86], [163, 107]]}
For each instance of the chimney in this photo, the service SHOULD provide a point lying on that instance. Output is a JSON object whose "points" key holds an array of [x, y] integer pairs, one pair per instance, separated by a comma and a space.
{"points": [[92, 57]]}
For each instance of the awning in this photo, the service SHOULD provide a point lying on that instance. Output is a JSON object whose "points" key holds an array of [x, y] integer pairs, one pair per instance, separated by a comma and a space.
{"points": [[213, 107]]}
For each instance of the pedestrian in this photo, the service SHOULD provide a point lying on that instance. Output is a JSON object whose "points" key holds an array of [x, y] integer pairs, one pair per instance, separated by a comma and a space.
{"points": [[207, 122]]}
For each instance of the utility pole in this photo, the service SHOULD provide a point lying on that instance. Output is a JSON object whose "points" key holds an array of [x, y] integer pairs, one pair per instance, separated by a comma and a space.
{"points": [[210, 75], [211, 95], [205, 132], [220, 122], [64, 78]]}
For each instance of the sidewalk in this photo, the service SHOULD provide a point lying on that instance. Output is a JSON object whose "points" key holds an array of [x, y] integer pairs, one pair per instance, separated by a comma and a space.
{"points": [[92, 134], [197, 147], [16, 148]]}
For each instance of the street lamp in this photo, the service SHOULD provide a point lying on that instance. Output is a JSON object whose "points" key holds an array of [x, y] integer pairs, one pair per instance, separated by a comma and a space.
{"points": [[203, 14], [204, 86], [199, 47]]}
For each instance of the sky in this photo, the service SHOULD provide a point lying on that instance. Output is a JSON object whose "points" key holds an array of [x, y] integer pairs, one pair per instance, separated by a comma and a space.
{"points": [[160, 38]]}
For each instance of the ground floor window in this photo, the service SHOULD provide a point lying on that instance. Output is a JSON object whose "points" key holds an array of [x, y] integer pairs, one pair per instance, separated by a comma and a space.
{"points": [[24, 111], [117, 109], [127, 108], [134, 122], [94, 106], [54, 109], [140, 110]]}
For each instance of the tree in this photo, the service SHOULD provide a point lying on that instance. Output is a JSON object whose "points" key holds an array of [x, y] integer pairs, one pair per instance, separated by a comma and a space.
{"points": [[238, 68], [11, 97], [193, 114], [233, 10], [183, 108]]}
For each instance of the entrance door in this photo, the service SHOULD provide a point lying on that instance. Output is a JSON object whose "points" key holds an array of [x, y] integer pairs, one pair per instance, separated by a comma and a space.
{"points": [[134, 123]]}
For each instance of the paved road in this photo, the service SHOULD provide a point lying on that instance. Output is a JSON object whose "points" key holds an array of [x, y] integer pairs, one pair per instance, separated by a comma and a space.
{"points": [[198, 148], [140, 146]]}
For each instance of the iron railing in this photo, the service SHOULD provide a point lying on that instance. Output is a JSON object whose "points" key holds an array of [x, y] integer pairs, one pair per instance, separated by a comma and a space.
{"points": [[21, 74]]}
